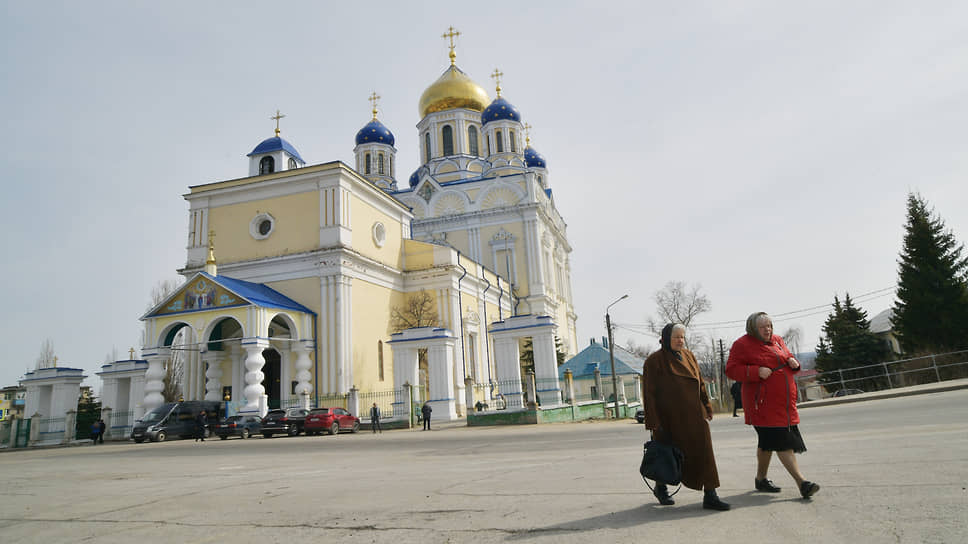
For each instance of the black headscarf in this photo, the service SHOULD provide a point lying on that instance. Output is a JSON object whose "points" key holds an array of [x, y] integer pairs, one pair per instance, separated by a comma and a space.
{"points": [[666, 340]]}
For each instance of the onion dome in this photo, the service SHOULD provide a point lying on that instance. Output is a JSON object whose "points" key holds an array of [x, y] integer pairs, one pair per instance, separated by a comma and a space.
{"points": [[453, 89], [500, 109], [374, 132], [415, 178], [275, 144], [534, 159]]}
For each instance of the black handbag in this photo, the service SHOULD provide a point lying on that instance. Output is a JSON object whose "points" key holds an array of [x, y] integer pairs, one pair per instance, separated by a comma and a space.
{"points": [[661, 462]]}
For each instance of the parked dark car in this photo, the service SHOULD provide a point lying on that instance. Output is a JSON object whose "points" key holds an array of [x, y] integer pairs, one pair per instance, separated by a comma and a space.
{"points": [[640, 416], [331, 420], [173, 419], [289, 421], [241, 426], [845, 392]]}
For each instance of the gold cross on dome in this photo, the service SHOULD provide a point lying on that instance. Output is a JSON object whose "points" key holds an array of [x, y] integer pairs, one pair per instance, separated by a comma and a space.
{"points": [[276, 117], [527, 133], [451, 34], [374, 99], [131, 353], [496, 76]]}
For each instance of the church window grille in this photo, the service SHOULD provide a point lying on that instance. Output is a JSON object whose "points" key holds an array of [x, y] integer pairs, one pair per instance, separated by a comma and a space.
{"points": [[267, 165], [380, 164], [514, 147], [472, 140], [427, 147], [500, 141], [292, 163], [447, 134], [366, 163]]}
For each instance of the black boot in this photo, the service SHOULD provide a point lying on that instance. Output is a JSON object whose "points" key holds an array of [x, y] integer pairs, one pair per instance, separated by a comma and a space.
{"points": [[661, 492], [711, 501]]}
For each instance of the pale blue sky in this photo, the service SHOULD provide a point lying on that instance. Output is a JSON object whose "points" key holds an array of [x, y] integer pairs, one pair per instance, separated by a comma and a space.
{"points": [[761, 149]]}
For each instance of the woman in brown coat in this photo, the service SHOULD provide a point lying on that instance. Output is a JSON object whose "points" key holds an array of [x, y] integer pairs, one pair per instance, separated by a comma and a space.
{"points": [[676, 411]]}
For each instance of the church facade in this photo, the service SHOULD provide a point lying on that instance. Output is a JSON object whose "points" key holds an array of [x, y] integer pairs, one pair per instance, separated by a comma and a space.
{"points": [[307, 281]]}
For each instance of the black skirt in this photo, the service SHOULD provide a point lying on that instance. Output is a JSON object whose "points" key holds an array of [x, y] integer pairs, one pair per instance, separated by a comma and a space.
{"points": [[780, 439]]}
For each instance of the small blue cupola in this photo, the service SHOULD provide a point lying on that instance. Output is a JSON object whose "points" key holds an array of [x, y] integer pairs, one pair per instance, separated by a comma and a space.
{"points": [[274, 154], [534, 159], [375, 154], [500, 109], [501, 123]]}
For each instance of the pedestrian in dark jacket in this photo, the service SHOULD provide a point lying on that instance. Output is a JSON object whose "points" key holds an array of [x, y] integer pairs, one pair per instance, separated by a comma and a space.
{"points": [[677, 411], [761, 360], [375, 419], [201, 421], [425, 413], [737, 391], [95, 432], [101, 428]]}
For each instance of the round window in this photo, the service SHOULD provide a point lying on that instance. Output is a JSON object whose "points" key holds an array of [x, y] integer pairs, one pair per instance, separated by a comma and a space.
{"points": [[261, 226], [379, 234], [265, 226]]}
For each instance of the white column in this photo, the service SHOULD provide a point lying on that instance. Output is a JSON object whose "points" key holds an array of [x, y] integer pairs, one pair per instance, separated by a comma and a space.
{"points": [[254, 392], [440, 364], [213, 376], [546, 368], [508, 361], [155, 379], [405, 370], [303, 364]]}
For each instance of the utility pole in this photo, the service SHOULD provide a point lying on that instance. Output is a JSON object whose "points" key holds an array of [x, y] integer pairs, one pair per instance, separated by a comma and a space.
{"points": [[611, 352]]}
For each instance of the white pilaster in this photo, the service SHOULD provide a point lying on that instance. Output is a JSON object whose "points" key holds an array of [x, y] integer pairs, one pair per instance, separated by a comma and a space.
{"points": [[303, 364], [213, 375], [254, 392]]}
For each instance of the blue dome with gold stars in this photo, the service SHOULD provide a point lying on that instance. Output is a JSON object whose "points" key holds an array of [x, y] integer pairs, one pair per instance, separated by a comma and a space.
{"points": [[534, 159], [374, 133], [500, 109]]}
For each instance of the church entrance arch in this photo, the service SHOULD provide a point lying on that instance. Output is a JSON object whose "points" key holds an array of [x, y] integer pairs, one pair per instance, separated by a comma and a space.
{"points": [[273, 377]]}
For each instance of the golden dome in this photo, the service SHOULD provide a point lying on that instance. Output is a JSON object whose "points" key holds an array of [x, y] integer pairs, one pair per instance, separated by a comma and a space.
{"points": [[453, 89]]}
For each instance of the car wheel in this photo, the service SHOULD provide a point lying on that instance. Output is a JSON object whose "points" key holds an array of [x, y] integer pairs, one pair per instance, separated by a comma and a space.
{"points": [[245, 434], [334, 429], [267, 435], [356, 426], [294, 431], [160, 437]]}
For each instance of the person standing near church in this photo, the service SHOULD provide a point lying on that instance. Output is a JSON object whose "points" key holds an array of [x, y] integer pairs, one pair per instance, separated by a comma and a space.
{"points": [[101, 426], [737, 391], [201, 421], [95, 432], [375, 419], [425, 413]]}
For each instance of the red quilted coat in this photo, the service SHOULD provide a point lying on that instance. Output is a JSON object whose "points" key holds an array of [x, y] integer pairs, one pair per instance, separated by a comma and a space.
{"points": [[771, 402]]}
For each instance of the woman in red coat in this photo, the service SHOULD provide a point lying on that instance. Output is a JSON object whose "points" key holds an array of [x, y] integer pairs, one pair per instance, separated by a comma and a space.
{"points": [[766, 367]]}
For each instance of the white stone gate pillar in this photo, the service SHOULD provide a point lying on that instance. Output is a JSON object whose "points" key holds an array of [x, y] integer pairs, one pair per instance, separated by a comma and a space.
{"points": [[213, 374], [304, 386], [440, 366], [155, 377], [546, 366], [506, 335]]}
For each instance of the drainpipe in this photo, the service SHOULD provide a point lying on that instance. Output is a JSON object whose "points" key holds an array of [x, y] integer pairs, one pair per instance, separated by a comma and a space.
{"points": [[487, 349], [460, 311]]}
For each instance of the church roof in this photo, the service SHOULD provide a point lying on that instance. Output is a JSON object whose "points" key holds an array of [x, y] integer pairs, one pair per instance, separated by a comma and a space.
{"points": [[500, 109], [276, 143], [374, 132], [205, 292], [534, 159], [596, 356], [453, 89]]}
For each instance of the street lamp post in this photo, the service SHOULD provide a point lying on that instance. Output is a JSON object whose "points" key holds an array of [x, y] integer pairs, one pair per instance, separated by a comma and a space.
{"points": [[611, 351]]}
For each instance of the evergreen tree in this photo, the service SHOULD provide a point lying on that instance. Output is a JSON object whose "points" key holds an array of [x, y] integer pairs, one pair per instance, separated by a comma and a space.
{"points": [[931, 311], [846, 344]]}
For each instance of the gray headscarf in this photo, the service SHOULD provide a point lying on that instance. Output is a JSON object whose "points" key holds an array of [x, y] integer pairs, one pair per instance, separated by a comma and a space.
{"points": [[751, 323]]}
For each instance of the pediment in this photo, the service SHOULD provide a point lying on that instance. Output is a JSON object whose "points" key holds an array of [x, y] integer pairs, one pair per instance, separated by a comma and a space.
{"points": [[201, 292]]}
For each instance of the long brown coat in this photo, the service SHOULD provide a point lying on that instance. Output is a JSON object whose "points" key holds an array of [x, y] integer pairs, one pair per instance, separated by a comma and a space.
{"points": [[676, 407]]}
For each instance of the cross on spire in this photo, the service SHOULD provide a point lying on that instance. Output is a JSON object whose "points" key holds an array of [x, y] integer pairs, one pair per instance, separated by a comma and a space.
{"points": [[276, 117], [451, 34], [496, 76], [527, 134], [374, 99], [131, 354]]}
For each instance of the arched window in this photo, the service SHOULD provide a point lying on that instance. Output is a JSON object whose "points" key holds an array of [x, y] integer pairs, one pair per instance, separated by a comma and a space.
{"points": [[366, 164], [379, 164], [267, 165], [427, 147], [292, 163], [448, 136], [472, 140], [514, 148], [500, 141]]}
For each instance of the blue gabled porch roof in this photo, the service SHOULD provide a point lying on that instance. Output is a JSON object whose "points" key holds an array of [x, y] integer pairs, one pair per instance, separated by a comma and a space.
{"points": [[596, 355], [259, 294]]}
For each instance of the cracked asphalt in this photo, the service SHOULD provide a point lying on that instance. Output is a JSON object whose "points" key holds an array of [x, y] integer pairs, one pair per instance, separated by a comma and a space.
{"points": [[890, 470]]}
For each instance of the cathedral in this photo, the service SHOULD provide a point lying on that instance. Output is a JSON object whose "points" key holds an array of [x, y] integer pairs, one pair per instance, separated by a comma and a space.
{"points": [[308, 281]]}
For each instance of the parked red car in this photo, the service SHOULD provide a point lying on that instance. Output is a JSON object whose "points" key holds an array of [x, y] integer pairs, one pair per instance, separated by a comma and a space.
{"points": [[331, 420]]}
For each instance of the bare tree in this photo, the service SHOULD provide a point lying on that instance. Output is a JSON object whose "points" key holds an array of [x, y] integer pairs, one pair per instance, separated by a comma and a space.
{"points": [[46, 359], [642, 352], [678, 303], [417, 311], [175, 365]]}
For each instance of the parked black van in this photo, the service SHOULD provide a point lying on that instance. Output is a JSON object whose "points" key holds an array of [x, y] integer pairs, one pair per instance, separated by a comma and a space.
{"points": [[175, 419]]}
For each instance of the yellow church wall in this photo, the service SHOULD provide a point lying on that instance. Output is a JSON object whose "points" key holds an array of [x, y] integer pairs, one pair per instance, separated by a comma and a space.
{"points": [[520, 267], [472, 193], [458, 238], [417, 255], [295, 230], [365, 216], [372, 305]]}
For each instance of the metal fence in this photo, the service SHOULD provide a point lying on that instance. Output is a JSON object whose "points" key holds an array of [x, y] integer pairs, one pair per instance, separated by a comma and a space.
{"points": [[51, 429], [385, 400], [120, 425], [888, 375]]}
